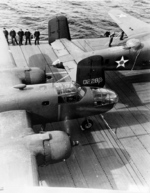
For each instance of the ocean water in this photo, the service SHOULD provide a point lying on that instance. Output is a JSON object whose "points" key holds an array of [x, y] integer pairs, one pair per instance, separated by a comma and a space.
{"points": [[87, 19]]}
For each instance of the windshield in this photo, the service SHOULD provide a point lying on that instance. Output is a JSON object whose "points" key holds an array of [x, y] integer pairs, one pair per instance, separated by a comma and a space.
{"points": [[69, 92]]}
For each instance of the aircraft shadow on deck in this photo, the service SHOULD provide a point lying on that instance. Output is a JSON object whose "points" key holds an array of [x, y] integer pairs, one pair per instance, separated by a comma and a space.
{"points": [[44, 62], [57, 175], [91, 153], [125, 87]]}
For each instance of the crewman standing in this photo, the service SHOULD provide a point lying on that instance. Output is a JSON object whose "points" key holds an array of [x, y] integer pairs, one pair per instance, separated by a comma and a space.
{"points": [[6, 34], [13, 37], [111, 38], [122, 35], [20, 34], [36, 36], [28, 36]]}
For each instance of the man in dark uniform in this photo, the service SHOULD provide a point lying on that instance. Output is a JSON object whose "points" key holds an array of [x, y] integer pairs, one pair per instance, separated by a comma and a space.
{"points": [[28, 36], [122, 35], [36, 36], [20, 34], [6, 34], [111, 38], [13, 37]]}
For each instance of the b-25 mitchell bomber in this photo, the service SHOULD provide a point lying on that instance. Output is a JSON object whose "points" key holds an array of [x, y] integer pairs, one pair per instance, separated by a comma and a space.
{"points": [[26, 100], [88, 67]]}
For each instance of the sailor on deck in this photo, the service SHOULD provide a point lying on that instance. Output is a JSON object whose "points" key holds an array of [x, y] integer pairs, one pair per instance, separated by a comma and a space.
{"points": [[20, 34], [6, 34], [122, 35], [111, 38], [28, 36], [37, 36], [13, 37]]}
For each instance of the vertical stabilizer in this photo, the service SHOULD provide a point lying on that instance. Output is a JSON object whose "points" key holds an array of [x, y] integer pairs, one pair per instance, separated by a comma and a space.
{"points": [[58, 28], [90, 72]]}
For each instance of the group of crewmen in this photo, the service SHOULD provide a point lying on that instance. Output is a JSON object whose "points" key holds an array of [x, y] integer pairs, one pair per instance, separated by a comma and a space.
{"points": [[112, 35], [28, 36], [21, 34]]}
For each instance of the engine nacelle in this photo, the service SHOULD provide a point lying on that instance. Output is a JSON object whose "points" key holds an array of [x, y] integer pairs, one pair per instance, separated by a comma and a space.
{"points": [[34, 76], [49, 147], [27, 76], [57, 148]]}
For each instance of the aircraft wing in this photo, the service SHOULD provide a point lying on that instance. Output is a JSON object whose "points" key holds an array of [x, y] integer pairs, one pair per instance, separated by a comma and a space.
{"points": [[17, 163], [129, 24]]}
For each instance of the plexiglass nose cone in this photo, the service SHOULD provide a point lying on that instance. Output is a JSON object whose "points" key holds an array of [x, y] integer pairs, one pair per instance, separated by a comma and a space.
{"points": [[105, 96]]}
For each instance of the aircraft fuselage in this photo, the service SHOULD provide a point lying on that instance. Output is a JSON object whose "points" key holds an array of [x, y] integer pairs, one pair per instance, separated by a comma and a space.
{"points": [[130, 54], [57, 102]]}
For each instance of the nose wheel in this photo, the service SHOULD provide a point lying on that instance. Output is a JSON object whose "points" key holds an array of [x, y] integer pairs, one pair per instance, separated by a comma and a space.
{"points": [[86, 124]]}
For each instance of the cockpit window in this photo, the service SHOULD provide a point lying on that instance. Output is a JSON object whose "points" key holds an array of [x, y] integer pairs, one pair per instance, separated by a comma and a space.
{"points": [[69, 92]]}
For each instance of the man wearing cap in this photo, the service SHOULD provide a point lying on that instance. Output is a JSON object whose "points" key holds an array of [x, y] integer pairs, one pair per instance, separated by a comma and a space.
{"points": [[13, 37], [37, 36], [28, 37], [20, 34]]}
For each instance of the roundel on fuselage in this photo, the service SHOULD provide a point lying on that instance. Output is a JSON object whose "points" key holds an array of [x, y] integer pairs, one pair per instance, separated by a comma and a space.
{"points": [[122, 62]]}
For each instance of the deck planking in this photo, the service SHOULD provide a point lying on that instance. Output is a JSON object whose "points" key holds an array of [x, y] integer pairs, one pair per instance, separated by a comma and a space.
{"points": [[102, 159], [19, 57]]}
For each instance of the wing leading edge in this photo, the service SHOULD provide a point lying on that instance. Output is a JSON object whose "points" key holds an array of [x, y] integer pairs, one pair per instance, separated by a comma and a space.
{"points": [[129, 24]]}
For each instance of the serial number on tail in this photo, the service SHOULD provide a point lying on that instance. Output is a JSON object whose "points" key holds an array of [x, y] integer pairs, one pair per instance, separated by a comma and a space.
{"points": [[93, 81]]}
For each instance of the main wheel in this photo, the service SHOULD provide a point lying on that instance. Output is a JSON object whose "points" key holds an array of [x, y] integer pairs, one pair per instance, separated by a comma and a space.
{"points": [[87, 124]]}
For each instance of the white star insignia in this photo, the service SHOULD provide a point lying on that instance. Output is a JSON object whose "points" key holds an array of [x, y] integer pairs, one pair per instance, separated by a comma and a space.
{"points": [[122, 15], [121, 63]]}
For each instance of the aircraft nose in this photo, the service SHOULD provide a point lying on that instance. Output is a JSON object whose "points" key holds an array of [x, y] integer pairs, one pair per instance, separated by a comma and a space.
{"points": [[112, 97], [104, 96]]}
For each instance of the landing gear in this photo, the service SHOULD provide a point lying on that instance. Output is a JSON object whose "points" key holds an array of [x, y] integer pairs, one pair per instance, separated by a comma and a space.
{"points": [[86, 124]]}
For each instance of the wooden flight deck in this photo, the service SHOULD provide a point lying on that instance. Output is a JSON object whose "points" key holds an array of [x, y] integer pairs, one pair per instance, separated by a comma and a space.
{"points": [[103, 159]]}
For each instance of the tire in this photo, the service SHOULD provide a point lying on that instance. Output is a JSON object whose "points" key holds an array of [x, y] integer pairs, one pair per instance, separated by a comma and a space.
{"points": [[87, 124]]}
